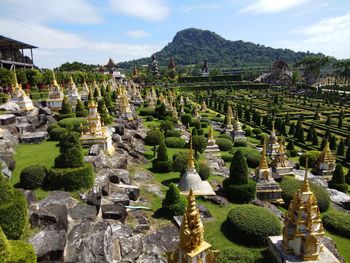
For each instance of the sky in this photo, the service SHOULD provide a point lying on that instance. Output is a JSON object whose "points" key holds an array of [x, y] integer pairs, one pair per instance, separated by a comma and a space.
{"points": [[91, 31]]}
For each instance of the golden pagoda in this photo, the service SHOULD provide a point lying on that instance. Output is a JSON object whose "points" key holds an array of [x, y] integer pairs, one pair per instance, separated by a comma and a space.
{"points": [[325, 164], [280, 164], [272, 143], [195, 112], [191, 179], [20, 97], [204, 106], [303, 229], [192, 247], [124, 108], [212, 147], [181, 101], [263, 171], [229, 119], [96, 133]]}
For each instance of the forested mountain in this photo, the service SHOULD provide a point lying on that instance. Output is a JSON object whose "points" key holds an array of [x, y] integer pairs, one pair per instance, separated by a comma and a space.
{"points": [[193, 46]]}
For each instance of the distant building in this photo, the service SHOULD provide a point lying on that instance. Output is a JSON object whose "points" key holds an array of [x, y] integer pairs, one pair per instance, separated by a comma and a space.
{"points": [[111, 68], [12, 54]]}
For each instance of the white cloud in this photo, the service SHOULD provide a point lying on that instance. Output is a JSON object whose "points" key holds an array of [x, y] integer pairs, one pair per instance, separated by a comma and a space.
{"points": [[137, 33], [190, 8], [271, 6], [330, 36], [152, 10], [57, 46], [66, 11]]}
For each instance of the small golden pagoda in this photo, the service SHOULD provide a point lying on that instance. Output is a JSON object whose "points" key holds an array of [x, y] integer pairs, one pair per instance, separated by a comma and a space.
{"points": [[124, 108], [267, 188], [154, 94], [238, 133], [191, 179], [303, 229], [280, 164], [20, 97], [212, 147], [192, 247], [96, 133], [229, 119], [204, 106], [72, 92], [272, 143], [325, 164], [195, 112]]}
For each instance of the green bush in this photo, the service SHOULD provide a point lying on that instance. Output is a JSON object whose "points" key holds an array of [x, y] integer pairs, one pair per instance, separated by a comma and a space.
{"points": [[70, 151], [293, 153], [225, 136], [235, 255], [5, 248], [218, 119], [65, 116], [69, 179], [312, 158], [147, 111], [226, 157], [290, 185], [204, 170], [252, 155], [173, 133], [162, 166], [246, 225], [240, 143], [32, 176], [240, 193], [175, 142], [204, 124], [248, 132], [224, 144], [73, 124], [149, 118], [13, 215], [22, 252], [174, 202], [56, 133], [200, 132], [180, 160], [338, 179], [148, 155], [257, 131], [337, 222]]}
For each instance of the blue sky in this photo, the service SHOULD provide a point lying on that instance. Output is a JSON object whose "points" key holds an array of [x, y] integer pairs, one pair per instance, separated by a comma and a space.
{"points": [[91, 31]]}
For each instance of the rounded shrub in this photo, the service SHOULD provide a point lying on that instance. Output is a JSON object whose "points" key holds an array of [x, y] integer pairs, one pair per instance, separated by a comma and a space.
{"points": [[312, 158], [337, 222], [149, 118], [147, 111], [173, 133], [22, 252], [180, 161], [235, 255], [293, 153], [225, 136], [240, 193], [252, 155], [290, 185], [204, 170], [226, 157], [5, 248], [257, 131], [224, 144], [240, 143], [69, 179], [32, 176], [73, 123], [65, 116], [246, 225], [175, 142], [162, 166], [56, 133], [248, 132], [204, 124], [174, 202]]}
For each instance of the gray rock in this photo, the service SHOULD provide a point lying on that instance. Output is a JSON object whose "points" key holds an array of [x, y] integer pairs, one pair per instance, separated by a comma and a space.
{"points": [[29, 195], [83, 212], [133, 193], [339, 198], [50, 120], [114, 211], [49, 244], [119, 198], [34, 137], [25, 127], [270, 207], [140, 135], [120, 176], [131, 247], [123, 146], [95, 150], [143, 176], [94, 199], [7, 119], [204, 211], [163, 240], [332, 247], [45, 110], [151, 258], [116, 137], [216, 199], [9, 106], [119, 129]]}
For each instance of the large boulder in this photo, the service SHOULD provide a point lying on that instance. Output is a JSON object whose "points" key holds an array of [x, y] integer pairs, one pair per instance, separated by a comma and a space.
{"points": [[151, 258], [114, 211], [131, 247], [119, 129], [45, 110], [82, 212], [34, 137], [94, 199], [49, 244], [7, 119], [119, 176], [10, 106], [339, 198], [25, 127], [29, 195]]}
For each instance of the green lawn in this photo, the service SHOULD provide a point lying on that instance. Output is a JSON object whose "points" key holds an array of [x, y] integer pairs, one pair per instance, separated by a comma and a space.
{"points": [[28, 154]]}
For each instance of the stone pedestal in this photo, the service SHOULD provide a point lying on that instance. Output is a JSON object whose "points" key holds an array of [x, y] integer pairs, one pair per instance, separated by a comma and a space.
{"points": [[24, 103], [7, 119], [323, 171], [239, 136], [212, 149], [126, 115], [279, 172], [269, 190], [275, 248], [104, 140], [54, 104]]}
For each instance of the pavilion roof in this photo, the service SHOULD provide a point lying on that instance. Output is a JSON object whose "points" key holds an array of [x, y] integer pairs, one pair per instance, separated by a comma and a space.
{"points": [[9, 43]]}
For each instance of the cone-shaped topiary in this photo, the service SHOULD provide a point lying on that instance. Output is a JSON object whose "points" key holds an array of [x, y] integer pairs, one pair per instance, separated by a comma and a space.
{"points": [[71, 153], [341, 148], [80, 109], [162, 154], [338, 179], [347, 178], [238, 169], [174, 202], [66, 106]]}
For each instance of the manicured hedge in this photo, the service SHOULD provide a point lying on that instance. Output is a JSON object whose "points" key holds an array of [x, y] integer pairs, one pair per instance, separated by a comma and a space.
{"points": [[337, 222], [173, 133], [175, 142], [147, 111], [226, 157], [290, 185], [70, 179], [204, 170], [224, 144], [13, 215], [32, 176], [252, 155], [174, 202], [312, 158], [22, 252], [56, 133], [74, 123], [252, 224], [235, 255], [240, 193], [65, 116], [240, 143], [225, 136], [162, 166]]}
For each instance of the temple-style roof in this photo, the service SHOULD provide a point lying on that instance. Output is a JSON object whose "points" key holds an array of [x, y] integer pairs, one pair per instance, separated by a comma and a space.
{"points": [[6, 43], [110, 63], [326, 156]]}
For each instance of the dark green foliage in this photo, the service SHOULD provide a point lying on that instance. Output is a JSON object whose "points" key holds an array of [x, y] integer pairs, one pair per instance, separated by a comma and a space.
{"points": [[162, 164], [22, 252], [166, 126], [175, 142], [199, 143], [329, 120], [315, 139], [80, 109], [102, 109], [240, 193], [341, 148], [312, 158], [238, 169], [204, 170], [347, 155], [186, 119], [301, 134], [347, 177], [5, 248], [13, 214], [32, 176], [70, 179], [245, 224], [160, 111], [154, 137], [66, 107], [194, 131], [252, 155], [235, 255], [55, 134], [74, 124], [333, 143], [173, 133], [337, 222], [70, 151], [226, 136], [174, 202], [257, 131], [240, 143], [289, 186], [290, 145], [149, 118], [180, 161], [226, 157], [292, 128], [323, 143], [147, 112], [224, 144], [162, 153], [338, 179]]}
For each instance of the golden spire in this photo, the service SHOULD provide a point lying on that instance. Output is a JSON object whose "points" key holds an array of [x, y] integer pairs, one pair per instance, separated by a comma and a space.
{"points": [[210, 133], [273, 127], [281, 148], [190, 157], [229, 116], [306, 187], [15, 78], [263, 161], [192, 230], [326, 156], [71, 81]]}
